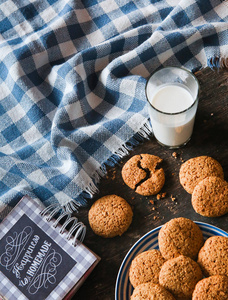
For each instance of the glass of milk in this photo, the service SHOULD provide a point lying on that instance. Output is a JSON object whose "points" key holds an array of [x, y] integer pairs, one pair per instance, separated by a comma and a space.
{"points": [[172, 95]]}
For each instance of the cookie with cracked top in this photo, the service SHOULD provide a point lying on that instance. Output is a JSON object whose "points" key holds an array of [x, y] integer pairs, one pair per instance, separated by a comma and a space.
{"points": [[142, 174], [198, 168]]}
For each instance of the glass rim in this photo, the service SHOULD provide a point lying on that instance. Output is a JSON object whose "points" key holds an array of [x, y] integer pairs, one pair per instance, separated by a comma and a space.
{"points": [[182, 111]]}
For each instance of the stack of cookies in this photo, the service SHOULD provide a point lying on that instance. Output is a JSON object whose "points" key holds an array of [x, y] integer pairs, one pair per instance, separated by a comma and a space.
{"points": [[203, 177], [176, 270]]}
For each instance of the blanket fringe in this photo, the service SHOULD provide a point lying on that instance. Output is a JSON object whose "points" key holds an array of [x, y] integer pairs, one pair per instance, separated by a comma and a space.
{"points": [[92, 188], [224, 62], [217, 62]]}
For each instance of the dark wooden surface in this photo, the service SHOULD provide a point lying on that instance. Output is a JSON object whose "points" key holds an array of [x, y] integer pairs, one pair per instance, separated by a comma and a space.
{"points": [[210, 137]]}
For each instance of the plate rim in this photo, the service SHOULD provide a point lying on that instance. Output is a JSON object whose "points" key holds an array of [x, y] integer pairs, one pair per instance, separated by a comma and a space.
{"points": [[148, 233]]}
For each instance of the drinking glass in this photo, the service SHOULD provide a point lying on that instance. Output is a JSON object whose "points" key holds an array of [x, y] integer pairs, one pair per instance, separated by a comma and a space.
{"points": [[172, 95]]}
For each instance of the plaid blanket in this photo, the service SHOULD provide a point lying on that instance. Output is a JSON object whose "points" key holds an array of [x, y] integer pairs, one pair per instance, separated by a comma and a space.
{"points": [[72, 85]]}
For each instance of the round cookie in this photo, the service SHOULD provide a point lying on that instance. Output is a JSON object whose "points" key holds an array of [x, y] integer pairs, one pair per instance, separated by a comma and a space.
{"points": [[196, 169], [179, 276], [141, 174], [151, 291], [210, 197], [180, 236], [110, 216], [213, 256], [146, 267], [211, 288]]}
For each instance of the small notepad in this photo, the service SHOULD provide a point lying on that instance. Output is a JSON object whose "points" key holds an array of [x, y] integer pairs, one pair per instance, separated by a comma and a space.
{"points": [[38, 262]]}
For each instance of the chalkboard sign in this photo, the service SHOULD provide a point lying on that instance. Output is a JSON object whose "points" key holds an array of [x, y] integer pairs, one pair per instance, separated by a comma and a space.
{"points": [[36, 261]]}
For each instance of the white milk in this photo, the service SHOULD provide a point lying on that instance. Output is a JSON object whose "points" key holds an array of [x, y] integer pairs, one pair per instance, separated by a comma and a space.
{"points": [[172, 99], [172, 120]]}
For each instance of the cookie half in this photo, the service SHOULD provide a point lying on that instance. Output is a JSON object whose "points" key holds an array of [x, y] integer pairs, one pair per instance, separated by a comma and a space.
{"points": [[151, 291], [198, 168], [146, 267], [142, 174], [179, 276], [211, 288], [213, 256], [180, 236], [210, 197], [110, 216]]}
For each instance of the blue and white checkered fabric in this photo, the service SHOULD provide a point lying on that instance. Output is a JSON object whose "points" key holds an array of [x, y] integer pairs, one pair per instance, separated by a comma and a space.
{"points": [[72, 81]]}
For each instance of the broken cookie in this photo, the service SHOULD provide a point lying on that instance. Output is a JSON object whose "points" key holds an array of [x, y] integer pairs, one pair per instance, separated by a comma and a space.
{"points": [[140, 173]]}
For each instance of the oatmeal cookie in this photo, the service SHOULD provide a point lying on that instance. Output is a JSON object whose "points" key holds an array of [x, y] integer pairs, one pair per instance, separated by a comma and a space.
{"points": [[151, 291], [210, 197], [196, 169], [180, 236], [179, 276], [110, 216], [211, 288], [140, 173], [213, 256], [146, 267]]}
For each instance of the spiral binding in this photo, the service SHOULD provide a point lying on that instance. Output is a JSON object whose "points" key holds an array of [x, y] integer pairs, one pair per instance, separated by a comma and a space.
{"points": [[77, 229]]}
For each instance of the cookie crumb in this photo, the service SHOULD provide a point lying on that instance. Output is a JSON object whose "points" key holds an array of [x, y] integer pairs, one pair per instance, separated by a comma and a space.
{"points": [[113, 176], [174, 154], [212, 114], [172, 198], [151, 201], [160, 196]]}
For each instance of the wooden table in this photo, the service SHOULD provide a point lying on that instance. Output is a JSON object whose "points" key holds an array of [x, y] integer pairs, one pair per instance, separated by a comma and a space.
{"points": [[210, 137]]}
